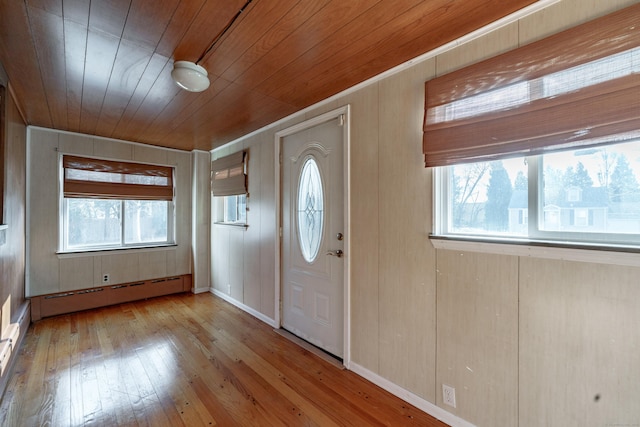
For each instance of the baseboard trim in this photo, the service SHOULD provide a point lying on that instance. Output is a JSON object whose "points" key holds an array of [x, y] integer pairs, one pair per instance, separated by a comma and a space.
{"points": [[244, 307], [407, 396]]}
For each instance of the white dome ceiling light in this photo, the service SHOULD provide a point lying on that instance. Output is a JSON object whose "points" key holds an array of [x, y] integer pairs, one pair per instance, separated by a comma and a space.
{"points": [[193, 77], [190, 76]]}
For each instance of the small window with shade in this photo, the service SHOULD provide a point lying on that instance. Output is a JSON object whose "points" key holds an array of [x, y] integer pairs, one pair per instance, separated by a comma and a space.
{"points": [[229, 189]]}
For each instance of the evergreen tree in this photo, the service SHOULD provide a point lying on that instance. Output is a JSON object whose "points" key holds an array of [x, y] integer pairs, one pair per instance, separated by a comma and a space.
{"points": [[624, 185], [498, 197], [578, 178], [521, 182]]}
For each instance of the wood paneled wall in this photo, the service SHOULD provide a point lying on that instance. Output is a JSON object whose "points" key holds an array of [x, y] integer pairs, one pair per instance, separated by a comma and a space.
{"points": [[12, 251], [243, 259], [524, 341], [49, 272]]}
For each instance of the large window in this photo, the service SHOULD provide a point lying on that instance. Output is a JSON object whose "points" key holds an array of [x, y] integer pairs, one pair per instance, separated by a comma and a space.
{"points": [[542, 142], [110, 205], [589, 196]]}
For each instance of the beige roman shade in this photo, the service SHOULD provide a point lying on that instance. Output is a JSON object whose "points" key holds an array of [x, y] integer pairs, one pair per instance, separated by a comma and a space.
{"points": [[228, 175], [107, 179], [578, 88]]}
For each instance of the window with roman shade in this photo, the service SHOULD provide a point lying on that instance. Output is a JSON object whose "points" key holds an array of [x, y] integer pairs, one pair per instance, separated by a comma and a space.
{"points": [[576, 89], [88, 178], [110, 204], [229, 175], [541, 144]]}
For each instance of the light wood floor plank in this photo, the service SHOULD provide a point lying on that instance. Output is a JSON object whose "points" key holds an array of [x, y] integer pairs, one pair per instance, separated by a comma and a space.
{"points": [[185, 360]]}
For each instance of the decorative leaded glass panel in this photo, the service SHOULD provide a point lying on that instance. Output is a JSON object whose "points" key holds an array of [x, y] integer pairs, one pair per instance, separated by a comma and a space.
{"points": [[310, 209]]}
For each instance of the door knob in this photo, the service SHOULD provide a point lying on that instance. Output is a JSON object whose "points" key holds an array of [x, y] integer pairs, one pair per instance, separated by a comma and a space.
{"points": [[337, 253]]}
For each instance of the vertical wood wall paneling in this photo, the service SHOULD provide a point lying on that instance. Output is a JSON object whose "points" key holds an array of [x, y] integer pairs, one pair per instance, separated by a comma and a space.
{"points": [[48, 273], [236, 262], [201, 220], [393, 312], [75, 273], [407, 261], [184, 204], [112, 149], [12, 252], [266, 217], [77, 144], [220, 255], [122, 267], [251, 242], [150, 154], [365, 228], [579, 344], [42, 205], [477, 339], [152, 265]]}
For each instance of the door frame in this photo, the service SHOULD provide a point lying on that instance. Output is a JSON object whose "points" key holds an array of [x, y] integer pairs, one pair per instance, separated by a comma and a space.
{"points": [[345, 112]]}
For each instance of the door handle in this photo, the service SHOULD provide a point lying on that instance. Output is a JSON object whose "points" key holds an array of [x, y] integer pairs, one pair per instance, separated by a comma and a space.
{"points": [[337, 253]]}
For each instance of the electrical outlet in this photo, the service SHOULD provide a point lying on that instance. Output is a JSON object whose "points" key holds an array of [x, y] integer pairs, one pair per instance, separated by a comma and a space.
{"points": [[229, 288], [449, 395], [105, 278]]}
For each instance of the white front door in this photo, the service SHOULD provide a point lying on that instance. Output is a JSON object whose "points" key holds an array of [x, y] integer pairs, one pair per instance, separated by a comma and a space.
{"points": [[313, 234]]}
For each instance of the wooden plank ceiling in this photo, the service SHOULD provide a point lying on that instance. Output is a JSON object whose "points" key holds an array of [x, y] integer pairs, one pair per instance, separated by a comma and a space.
{"points": [[102, 67]]}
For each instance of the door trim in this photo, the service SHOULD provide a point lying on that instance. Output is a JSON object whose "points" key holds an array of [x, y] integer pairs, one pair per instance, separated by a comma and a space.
{"points": [[345, 112]]}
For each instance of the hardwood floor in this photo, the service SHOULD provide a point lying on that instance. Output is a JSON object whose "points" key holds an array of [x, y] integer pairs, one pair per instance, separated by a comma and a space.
{"points": [[191, 360]]}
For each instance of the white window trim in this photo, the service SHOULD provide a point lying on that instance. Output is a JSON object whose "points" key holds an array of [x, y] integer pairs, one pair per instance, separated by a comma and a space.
{"points": [[546, 250], [219, 205], [63, 219], [63, 251], [526, 246], [104, 251]]}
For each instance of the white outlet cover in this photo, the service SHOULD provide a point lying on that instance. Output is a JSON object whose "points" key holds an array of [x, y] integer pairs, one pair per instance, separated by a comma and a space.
{"points": [[448, 395]]}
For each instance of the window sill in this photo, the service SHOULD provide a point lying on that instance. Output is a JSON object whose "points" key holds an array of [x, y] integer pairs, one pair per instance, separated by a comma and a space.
{"points": [[232, 224], [100, 252], [614, 255]]}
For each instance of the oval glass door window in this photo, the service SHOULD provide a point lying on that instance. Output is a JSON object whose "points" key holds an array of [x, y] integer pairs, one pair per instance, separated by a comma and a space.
{"points": [[310, 209]]}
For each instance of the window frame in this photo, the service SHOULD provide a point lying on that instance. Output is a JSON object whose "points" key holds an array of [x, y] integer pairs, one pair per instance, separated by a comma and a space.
{"points": [[63, 219], [536, 235], [229, 179], [241, 214]]}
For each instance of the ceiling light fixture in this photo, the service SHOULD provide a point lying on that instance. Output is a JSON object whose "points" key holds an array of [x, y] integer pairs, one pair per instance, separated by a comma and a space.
{"points": [[190, 76], [193, 77]]}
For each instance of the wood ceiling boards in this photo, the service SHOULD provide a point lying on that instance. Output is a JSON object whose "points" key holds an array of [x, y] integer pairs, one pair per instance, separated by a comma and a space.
{"points": [[103, 67]]}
